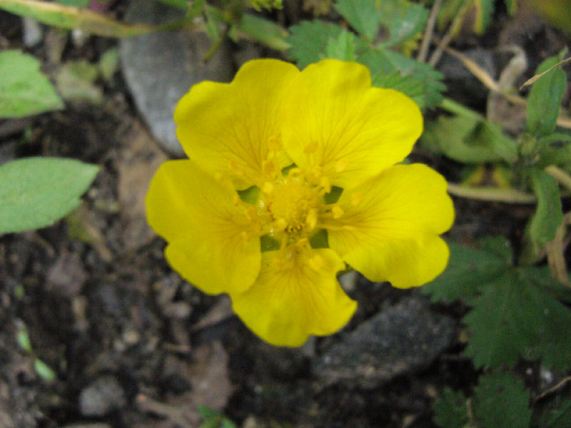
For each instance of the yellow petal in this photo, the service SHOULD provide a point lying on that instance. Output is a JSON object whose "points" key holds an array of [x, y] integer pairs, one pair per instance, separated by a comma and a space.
{"points": [[336, 123], [233, 130], [390, 226], [295, 297], [212, 241]]}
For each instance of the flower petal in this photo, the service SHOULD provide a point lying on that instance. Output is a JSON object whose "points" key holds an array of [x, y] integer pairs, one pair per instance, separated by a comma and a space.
{"points": [[335, 122], [207, 228], [390, 226], [232, 129], [294, 298]]}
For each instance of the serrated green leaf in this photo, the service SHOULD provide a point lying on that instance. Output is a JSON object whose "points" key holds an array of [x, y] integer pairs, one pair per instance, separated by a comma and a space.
{"points": [[403, 19], [36, 192], [548, 215], [470, 269], [24, 89], [469, 139], [308, 41], [557, 416], [548, 321], [343, 47], [484, 13], [494, 338], [390, 69], [516, 317], [362, 15], [450, 410], [500, 400], [545, 98]]}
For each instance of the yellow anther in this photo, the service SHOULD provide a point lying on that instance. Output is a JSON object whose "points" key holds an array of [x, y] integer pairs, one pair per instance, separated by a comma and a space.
{"points": [[325, 184], [311, 220], [269, 167], [279, 225], [267, 187], [337, 212]]}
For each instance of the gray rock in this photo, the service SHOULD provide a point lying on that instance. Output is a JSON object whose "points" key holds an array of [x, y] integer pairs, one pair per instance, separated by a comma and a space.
{"points": [[101, 397], [160, 68], [398, 340]]}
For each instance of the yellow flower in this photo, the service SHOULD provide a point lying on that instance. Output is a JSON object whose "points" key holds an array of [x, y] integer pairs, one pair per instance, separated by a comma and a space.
{"points": [[292, 175]]}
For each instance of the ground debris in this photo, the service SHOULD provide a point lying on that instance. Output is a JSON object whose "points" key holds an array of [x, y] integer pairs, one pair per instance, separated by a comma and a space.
{"points": [[396, 341]]}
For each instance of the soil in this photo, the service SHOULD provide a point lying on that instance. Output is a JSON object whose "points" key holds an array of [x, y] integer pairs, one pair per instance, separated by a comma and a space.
{"points": [[130, 343]]}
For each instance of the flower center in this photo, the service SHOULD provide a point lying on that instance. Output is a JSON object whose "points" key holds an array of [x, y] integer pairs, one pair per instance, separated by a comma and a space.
{"points": [[289, 207]]}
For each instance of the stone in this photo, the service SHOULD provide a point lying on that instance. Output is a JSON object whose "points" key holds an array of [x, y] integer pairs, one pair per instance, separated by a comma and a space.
{"points": [[398, 340], [101, 397], [160, 68]]}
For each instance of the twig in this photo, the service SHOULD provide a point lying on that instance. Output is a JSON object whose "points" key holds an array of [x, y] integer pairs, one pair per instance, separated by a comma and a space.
{"points": [[492, 194], [556, 253], [482, 75], [553, 389], [535, 78], [423, 52], [443, 44], [561, 176]]}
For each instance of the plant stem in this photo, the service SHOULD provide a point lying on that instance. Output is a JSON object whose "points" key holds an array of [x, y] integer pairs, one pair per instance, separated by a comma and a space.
{"points": [[561, 176], [492, 194]]}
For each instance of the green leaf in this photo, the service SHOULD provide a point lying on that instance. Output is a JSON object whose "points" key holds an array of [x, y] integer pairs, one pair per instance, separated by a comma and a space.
{"points": [[516, 317], [557, 416], [548, 215], [545, 98], [403, 19], [68, 17], [23, 339], [469, 139], [511, 6], [36, 192], [74, 3], [362, 15], [109, 63], [450, 410], [342, 47], [547, 320], [390, 69], [484, 14], [213, 418], [494, 339], [75, 82], [44, 371], [500, 400], [308, 41], [263, 31], [24, 89], [470, 269]]}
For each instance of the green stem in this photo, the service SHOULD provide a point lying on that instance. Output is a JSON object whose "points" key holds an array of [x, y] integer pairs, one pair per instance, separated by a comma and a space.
{"points": [[492, 194]]}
